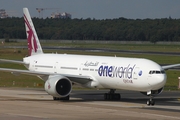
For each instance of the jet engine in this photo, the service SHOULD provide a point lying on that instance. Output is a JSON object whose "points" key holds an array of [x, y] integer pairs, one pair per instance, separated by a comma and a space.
{"points": [[58, 86], [154, 92]]}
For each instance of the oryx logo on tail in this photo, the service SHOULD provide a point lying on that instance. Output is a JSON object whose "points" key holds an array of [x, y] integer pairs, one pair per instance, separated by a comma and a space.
{"points": [[32, 44]]}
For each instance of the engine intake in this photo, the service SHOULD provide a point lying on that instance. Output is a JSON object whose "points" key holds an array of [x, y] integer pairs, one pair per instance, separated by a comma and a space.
{"points": [[58, 86], [63, 87]]}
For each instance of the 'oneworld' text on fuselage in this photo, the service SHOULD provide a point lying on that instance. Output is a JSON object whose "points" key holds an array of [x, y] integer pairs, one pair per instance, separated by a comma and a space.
{"points": [[116, 71]]}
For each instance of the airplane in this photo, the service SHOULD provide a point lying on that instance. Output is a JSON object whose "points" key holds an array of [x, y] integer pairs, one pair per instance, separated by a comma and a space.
{"points": [[59, 71]]}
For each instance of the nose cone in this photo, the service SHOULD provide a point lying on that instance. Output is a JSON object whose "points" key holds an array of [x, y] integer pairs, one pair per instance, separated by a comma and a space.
{"points": [[158, 81]]}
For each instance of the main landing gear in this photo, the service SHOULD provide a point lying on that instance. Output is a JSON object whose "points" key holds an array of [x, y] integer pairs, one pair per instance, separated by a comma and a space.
{"points": [[112, 95], [61, 98], [151, 101]]}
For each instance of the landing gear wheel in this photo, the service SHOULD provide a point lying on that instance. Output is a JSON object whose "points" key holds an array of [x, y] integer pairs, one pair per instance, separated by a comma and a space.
{"points": [[151, 101], [148, 102], [117, 96], [112, 95], [63, 98], [105, 96], [56, 98]]}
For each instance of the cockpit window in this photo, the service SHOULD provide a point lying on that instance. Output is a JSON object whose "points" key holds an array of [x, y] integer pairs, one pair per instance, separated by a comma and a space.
{"points": [[156, 72]]}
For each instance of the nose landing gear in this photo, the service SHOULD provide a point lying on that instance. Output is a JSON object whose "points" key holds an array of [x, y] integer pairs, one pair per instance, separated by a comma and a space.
{"points": [[151, 101]]}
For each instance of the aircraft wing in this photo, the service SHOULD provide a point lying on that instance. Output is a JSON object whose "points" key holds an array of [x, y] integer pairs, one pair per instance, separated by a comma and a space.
{"points": [[45, 75], [170, 66], [12, 61], [78, 78]]}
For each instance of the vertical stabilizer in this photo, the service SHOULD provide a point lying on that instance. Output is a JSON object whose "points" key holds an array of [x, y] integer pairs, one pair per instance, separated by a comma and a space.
{"points": [[34, 46]]}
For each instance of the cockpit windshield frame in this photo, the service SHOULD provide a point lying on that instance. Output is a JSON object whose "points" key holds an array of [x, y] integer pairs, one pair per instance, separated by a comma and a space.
{"points": [[157, 72]]}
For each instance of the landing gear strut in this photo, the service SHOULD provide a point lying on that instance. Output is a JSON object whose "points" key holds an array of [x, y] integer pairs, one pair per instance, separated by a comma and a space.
{"points": [[151, 101], [112, 95], [61, 98]]}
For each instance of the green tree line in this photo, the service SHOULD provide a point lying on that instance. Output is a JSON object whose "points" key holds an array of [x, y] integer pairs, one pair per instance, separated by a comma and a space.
{"points": [[120, 29]]}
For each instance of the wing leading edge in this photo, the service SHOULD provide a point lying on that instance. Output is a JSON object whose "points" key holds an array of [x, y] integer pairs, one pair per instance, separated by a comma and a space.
{"points": [[12, 61], [170, 66], [45, 75]]}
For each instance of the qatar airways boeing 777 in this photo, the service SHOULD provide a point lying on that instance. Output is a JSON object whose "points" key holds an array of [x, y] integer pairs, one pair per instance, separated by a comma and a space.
{"points": [[59, 71]]}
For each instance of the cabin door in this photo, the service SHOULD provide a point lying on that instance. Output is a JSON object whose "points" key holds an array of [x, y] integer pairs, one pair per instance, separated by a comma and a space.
{"points": [[56, 66]]}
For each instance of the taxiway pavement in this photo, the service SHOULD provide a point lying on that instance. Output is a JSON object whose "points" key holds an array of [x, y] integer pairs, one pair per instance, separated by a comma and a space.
{"points": [[36, 104]]}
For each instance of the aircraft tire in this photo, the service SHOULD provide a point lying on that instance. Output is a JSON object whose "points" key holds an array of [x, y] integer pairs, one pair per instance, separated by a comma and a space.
{"points": [[63, 98], [117, 96], [105, 96], [150, 102], [108, 96]]}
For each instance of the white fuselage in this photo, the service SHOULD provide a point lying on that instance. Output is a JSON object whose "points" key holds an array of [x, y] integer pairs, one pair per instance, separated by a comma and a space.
{"points": [[108, 72]]}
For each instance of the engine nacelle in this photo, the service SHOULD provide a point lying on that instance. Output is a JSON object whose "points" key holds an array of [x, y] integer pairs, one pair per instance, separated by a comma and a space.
{"points": [[58, 86], [154, 92]]}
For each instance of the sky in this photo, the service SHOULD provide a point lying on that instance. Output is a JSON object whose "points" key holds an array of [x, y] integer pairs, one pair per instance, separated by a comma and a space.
{"points": [[98, 9]]}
